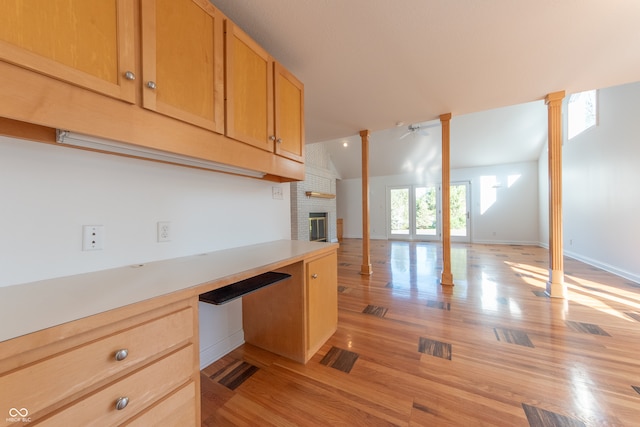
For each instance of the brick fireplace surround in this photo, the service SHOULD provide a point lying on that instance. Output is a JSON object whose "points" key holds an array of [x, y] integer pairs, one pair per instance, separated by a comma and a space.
{"points": [[320, 176]]}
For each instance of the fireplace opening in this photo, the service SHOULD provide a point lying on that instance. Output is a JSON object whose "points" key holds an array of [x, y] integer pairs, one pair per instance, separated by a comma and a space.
{"points": [[318, 226]]}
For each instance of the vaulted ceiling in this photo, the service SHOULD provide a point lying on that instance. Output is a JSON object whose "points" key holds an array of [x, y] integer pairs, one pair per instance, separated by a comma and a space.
{"points": [[367, 64], [503, 135]]}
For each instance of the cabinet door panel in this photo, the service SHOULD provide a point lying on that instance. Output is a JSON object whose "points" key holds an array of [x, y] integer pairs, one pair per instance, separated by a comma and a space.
{"points": [[322, 298], [249, 75], [181, 52], [89, 43], [289, 114]]}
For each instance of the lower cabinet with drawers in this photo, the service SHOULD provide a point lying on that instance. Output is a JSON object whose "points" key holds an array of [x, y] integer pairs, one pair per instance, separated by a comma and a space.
{"points": [[115, 371], [138, 364]]}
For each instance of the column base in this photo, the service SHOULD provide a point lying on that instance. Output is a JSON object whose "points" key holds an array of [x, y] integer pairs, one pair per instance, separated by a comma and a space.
{"points": [[446, 279], [366, 270], [556, 288]]}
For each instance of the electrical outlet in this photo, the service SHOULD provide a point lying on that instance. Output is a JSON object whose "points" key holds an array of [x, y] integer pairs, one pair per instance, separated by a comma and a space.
{"points": [[92, 237], [164, 231]]}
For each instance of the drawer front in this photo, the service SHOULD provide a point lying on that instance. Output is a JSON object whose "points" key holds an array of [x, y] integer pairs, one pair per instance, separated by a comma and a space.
{"points": [[142, 388], [176, 410], [37, 386]]}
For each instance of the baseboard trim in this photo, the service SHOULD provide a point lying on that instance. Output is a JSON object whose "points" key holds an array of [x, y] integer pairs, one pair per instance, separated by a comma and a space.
{"points": [[507, 242], [604, 266], [219, 349], [595, 263]]}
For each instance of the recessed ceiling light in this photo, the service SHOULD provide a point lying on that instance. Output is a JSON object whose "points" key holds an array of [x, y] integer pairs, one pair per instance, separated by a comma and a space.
{"points": [[345, 144], [398, 124]]}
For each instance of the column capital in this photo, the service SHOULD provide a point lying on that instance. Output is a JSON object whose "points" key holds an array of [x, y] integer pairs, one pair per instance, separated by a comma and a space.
{"points": [[445, 117], [364, 133], [554, 97]]}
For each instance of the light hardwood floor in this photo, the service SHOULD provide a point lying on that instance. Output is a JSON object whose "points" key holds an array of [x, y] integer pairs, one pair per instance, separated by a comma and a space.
{"points": [[492, 350]]}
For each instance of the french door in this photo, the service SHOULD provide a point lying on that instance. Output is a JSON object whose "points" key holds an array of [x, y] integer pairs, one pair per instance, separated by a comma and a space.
{"points": [[460, 219], [414, 212]]}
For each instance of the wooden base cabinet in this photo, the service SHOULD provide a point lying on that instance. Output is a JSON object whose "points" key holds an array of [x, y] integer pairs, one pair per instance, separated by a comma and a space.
{"points": [[322, 301], [295, 317], [138, 364], [103, 370]]}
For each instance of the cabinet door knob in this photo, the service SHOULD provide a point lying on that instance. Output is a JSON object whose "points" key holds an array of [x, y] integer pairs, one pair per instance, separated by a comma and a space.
{"points": [[151, 85], [272, 138], [122, 354], [122, 403], [314, 276], [279, 141], [129, 75]]}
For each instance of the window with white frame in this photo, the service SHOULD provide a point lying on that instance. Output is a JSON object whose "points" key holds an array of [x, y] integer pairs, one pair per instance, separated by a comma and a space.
{"points": [[582, 112]]}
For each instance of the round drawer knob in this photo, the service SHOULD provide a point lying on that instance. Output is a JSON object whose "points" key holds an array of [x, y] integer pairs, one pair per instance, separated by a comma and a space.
{"points": [[272, 138], [122, 403], [122, 354], [279, 141], [314, 276], [129, 75], [151, 85]]}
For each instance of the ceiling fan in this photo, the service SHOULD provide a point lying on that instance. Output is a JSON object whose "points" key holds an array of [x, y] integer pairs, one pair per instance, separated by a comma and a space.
{"points": [[420, 129]]}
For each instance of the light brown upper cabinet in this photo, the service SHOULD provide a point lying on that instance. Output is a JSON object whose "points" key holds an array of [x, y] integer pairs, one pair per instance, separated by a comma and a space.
{"points": [[249, 111], [89, 43], [182, 61], [289, 114], [155, 74], [264, 101]]}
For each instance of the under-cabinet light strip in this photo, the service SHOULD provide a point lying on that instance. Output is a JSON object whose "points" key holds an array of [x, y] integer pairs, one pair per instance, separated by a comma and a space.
{"points": [[86, 141]]}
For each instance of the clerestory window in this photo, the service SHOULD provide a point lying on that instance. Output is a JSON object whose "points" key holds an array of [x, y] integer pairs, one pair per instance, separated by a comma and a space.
{"points": [[582, 112]]}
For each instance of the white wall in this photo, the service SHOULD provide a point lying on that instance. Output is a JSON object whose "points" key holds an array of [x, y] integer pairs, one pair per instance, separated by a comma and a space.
{"points": [[601, 196], [513, 217], [47, 193], [511, 209], [543, 196]]}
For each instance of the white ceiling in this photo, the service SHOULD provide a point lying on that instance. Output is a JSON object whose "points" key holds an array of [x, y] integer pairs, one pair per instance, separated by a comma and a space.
{"points": [[367, 64], [503, 135]]}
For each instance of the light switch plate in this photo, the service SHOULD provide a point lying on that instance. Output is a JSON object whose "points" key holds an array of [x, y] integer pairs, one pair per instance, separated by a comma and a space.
{"points": [[276, 193]]}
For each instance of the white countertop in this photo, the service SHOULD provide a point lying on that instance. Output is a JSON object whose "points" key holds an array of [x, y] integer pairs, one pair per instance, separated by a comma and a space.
{"points": [[31, 307]]}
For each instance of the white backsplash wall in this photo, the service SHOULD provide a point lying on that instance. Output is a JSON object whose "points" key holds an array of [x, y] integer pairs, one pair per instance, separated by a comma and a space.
{"points": [[48, 193], [320, 176]]}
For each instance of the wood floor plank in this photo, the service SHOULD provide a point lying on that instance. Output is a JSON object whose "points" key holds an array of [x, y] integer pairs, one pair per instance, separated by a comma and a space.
{"points": [[516, 359]]}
